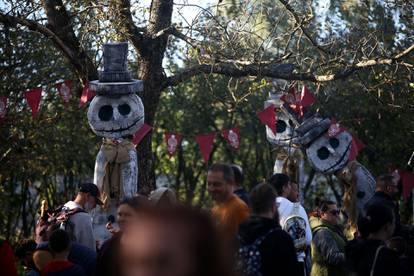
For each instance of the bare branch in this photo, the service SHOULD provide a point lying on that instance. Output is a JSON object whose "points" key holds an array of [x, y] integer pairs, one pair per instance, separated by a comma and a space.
{"points": [[279, 71], [300, 25]]}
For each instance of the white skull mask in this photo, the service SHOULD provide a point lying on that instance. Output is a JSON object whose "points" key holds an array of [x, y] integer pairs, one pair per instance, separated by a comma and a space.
{"points": [[284, 131], [330, 154], [116, 117]]}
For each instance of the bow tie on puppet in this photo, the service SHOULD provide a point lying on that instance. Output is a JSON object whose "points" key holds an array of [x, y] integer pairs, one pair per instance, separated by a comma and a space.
{"points": [[116, 153]]}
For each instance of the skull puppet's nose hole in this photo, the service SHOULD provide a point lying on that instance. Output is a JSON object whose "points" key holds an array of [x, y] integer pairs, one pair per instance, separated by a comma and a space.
{"points": [[280, 126], [323, 153], [124, 109], [105, 113], [334, 142]]}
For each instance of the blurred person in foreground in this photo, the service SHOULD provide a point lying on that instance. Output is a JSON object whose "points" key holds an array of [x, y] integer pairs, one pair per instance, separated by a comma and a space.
{"points": [[108, 262], [173, 241], [262, 234], [228, 210]]}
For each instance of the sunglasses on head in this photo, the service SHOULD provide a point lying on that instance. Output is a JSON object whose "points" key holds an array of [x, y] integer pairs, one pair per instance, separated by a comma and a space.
{"points": [[335, 212]]}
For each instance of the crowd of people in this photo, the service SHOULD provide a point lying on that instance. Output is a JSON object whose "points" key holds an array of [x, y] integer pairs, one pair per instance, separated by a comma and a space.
{"points": [[264, 232]]}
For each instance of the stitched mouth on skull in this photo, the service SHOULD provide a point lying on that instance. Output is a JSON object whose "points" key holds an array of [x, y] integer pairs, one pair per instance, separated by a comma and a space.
{"points": [[344, 155], [123, 128]]}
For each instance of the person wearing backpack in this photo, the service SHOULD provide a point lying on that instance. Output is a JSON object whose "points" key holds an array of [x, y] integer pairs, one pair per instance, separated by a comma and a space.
{"points": [[79, 222], [264, 248], [292, 217], [328, 245]]}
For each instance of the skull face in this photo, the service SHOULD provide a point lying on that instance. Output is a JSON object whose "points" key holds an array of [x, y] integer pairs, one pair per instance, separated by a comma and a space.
{"points": [[330, 154], [116, 117], [284, 131]]}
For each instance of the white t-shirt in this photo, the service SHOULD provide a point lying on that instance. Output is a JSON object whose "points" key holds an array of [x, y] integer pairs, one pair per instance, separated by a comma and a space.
{"points": [[83, 230], [285, 208]]}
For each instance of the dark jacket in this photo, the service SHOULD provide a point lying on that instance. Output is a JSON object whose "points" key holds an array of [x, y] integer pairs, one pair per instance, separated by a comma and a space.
{"points": [[328, 249], [381, 198], [107, 264], [277, 251], [243, 195], [361, 253]]}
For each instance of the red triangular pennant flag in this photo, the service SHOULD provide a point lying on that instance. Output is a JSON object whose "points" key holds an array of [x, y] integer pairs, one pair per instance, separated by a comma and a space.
{"points": [[268, 117], [173, 141], [65, 90], [140, 134], [356, 146], [205, 142], [306, 98], [3, 108], [292, 97], [33, 99], [407, 179], [87, 95], [233, 137]]}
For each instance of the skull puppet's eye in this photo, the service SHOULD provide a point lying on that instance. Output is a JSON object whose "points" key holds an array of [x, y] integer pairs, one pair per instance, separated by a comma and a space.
{"points": [[334, 142], [124, 109], [280, 126], [105, 113], [323, 153]]}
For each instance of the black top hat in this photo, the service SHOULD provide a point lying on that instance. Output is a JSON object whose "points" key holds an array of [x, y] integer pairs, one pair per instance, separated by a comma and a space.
{"points": [[115, 78]]}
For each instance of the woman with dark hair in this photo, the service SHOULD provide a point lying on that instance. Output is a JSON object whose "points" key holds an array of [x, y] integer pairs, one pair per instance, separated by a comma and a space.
{"points": [[108, 255], [328, 244], [369, 255]]}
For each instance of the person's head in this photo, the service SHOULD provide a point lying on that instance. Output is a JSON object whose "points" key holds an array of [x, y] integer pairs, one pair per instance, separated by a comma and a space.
{"points": [[387, 183], [88, 196], [328, 211], [24, 252], [263, 199], [128, 208], [175, 241], [238, 175], [59, 244], [281, 183], [41, 258], [294, 192], [220, 182], [163, 196], [377, 223]]}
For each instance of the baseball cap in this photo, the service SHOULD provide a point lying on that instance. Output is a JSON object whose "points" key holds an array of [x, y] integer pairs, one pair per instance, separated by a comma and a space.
{"points": [[92, 189]]}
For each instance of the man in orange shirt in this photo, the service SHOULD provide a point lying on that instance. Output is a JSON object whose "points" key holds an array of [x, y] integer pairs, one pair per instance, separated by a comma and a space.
{"points": [[228, 210]]}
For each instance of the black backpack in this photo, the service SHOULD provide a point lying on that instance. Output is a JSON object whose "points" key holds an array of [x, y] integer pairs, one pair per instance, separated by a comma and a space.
{"points": [[249, 260]]}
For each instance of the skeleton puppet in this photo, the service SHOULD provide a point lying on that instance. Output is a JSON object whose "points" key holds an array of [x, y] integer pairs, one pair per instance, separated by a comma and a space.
{"points": [[328, 150], [115, 114]]}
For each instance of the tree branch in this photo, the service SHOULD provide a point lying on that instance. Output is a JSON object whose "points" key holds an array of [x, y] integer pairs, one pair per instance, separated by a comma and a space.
{"points": [[135, 34], [279, 71], [300, 25]]}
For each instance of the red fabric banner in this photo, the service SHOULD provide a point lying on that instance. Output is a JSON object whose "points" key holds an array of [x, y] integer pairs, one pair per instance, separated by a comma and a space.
{"points": [[33, 99], [140, 134], [307, 98], [173, 141], [407, 179], [3, 108], [356, 147], [65, 90], [87, 95], [233, 137], [205, 142], [268, 117]]}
